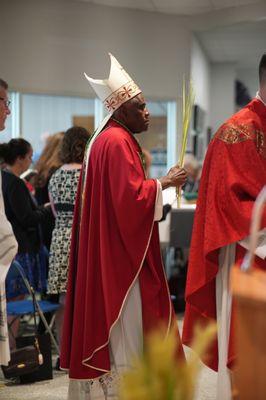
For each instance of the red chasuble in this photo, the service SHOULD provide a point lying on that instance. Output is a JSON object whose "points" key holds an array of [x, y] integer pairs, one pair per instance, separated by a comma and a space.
{"points": [[114, 242], [234, 173]]}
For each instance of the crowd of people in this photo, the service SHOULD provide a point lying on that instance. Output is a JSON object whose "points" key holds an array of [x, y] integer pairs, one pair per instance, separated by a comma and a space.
{"points": [[85, 230], [39, 205], [41, 214]]}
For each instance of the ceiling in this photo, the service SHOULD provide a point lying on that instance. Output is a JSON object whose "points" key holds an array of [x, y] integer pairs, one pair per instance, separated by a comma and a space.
{"points": [[229, 30], [178, 7], [241, 43]]}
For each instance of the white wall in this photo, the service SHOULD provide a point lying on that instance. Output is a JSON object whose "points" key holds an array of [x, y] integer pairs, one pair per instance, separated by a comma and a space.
{"points": [[222, 106], [46, 46], [250, 78], [201, 78]]}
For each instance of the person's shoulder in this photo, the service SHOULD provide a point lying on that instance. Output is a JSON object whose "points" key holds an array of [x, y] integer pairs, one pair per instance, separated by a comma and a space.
{"points": [[54, 178], [240, 127], [247, 115], [115, 133], [11, 182], [8, 177], [113, 137], [242, 116], [55, 173]]}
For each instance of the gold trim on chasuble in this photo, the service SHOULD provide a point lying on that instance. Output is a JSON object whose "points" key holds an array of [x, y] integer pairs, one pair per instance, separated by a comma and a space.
{"points": [[232, 134]]}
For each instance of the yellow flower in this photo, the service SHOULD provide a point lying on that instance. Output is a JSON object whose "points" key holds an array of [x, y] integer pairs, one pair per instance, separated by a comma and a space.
{"points": [[159, 374]]}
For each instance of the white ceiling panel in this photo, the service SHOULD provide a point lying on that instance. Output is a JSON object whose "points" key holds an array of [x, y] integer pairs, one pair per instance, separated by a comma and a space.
{"points": [[219, 4], [177, 7], [242, 43], [183, 7], [145, 5], [185, 10]]}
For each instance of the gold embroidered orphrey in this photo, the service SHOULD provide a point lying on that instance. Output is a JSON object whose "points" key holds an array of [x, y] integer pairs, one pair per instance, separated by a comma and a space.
{"points": [[232, 134], [127, 91]]}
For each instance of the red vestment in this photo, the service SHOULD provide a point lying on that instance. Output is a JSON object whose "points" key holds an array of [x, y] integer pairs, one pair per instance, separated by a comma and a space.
{"points": [[234, 173], [114, 242]]}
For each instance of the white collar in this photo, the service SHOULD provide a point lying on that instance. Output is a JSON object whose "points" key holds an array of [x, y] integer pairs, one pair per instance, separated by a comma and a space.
{"points": [[259, 98]]}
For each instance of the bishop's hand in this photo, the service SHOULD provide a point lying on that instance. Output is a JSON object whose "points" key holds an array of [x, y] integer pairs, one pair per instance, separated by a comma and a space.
{"points": [[175, 177]]}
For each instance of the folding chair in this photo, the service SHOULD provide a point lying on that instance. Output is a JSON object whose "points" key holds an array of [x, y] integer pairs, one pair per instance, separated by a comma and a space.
{"points": [[21, 308]]}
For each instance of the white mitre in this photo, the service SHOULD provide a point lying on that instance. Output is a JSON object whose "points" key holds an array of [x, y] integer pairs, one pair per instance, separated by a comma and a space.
{"points": [[115, 90]]}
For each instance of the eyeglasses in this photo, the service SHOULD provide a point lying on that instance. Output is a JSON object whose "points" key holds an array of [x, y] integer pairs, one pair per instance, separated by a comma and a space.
{"points": [[6, 102]]}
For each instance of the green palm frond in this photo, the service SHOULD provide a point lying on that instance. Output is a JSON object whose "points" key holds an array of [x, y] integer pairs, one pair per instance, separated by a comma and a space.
{"points": [[188, 98]]}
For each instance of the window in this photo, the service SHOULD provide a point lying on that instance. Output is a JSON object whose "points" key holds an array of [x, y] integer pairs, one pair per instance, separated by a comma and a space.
{"points": [[43, 115], [161, 133]]}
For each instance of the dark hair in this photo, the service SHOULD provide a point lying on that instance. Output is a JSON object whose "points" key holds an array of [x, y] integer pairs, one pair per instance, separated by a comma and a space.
{"points": [[9, 152], [262, 69], [3, 84], [73, 145]]}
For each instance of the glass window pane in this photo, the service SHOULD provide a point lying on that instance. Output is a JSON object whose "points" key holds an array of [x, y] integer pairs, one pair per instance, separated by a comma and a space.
{"points": [[43, 115], [155, 140]]}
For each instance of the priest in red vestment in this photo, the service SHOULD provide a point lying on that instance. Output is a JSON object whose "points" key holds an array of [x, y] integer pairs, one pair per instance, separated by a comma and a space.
{"points": [[234, 173], [117, 289]]}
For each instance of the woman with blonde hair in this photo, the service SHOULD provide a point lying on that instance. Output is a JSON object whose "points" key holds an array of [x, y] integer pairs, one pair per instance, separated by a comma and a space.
{"points": [[48, 162], [46, 165]]}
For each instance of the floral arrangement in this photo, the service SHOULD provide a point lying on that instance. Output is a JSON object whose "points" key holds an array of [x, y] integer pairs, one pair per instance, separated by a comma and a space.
{"points": [[159, 374]]}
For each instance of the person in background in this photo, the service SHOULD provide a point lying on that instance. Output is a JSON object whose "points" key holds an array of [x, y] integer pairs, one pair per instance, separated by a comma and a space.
{"points": [[25, 217], [193, 169], [8, 243], [46, 165], [233, 174], [62, 193]]}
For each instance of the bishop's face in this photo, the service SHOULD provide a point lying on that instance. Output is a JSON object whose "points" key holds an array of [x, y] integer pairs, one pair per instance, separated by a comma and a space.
{"points": [[136, 114], [4, 109]]}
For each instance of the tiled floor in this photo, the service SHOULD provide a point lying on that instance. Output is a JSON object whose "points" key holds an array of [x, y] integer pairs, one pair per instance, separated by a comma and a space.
{"points": [[56, 389]]}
